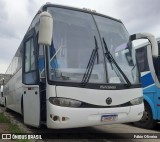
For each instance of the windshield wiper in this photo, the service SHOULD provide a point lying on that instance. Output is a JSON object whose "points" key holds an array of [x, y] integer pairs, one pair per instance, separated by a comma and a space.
{"points": [[90, 65], [112, 61]]}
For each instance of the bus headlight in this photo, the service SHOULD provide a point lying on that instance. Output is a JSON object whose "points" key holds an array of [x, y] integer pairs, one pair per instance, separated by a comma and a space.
{"points": [[65, 102], [137, 101]]}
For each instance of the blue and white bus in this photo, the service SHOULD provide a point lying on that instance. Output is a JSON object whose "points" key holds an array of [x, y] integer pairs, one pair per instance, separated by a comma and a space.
{"points": [[73, 68], [150, 78]]}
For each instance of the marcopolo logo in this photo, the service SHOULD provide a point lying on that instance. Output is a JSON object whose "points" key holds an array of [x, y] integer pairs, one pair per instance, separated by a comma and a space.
{"points": [[110, 87], [108, 100]]}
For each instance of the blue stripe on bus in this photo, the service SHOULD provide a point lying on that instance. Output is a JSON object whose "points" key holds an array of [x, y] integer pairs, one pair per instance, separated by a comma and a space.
{"points": [[147, 80], [151, 89]]}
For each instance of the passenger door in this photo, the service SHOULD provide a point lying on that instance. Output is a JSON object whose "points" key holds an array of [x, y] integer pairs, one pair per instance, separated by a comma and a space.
{"points": [[156, 101], [31, 95]]}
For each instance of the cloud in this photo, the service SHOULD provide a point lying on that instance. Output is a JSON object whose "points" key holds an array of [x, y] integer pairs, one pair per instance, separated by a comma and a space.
{"points": [[8, 48], [32, 7], [14, 22], [3, 13], [5, 29], [140, 15]]}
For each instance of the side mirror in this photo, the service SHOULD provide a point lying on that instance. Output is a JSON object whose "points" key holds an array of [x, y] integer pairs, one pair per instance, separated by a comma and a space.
{"points": [[45, 29], [151, 39]]}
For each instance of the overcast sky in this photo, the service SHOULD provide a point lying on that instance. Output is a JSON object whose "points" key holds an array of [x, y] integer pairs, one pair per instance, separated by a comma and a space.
{"points": [[16, 16]]}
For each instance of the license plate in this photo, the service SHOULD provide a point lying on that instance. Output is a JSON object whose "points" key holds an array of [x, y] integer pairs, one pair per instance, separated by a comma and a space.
{"points": [[109, 117]]}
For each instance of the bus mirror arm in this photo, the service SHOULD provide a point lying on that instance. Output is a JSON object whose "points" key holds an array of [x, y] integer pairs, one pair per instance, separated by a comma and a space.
{"points": [[151, 39]]}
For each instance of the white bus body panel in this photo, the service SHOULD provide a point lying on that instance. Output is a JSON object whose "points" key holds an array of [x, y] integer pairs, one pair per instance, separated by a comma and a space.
{"points": [[31, 105], [98, 97], [81, 117], [13, 92]]}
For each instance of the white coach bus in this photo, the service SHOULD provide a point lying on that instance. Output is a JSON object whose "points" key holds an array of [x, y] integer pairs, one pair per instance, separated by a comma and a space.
{"points": [[74, 69]]}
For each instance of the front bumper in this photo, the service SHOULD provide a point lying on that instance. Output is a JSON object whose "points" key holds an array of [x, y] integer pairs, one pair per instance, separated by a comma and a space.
{"points": [[65, 117]]}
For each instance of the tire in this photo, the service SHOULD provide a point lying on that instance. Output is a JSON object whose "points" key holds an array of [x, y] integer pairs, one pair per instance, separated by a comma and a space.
{"points": [[147, 120]]}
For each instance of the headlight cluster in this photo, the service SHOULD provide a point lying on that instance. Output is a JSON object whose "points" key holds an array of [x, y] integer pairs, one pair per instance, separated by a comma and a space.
{"points": [[137, 101], [64, 102]]}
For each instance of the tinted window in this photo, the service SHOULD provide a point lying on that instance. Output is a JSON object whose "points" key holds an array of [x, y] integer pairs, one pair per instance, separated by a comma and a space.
{"points": [[156, 62], [29, 56], [142, 60], [41, 62], [30, 73], [15, 64], [158, 48], [117, 41]]}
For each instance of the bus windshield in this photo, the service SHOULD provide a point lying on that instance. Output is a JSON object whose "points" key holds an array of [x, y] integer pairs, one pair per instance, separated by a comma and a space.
{"points": [[74, 40], [118, 44]]}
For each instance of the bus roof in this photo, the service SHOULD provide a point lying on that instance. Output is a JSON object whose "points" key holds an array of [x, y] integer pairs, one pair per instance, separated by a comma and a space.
{"points": [[86, 10]]}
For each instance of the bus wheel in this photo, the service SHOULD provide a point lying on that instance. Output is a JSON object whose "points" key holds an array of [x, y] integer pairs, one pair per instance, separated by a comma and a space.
{"points": [[147, 120]]}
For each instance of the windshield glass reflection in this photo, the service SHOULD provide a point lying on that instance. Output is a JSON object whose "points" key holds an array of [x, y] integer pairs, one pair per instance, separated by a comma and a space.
{"points": [[73, 42]]}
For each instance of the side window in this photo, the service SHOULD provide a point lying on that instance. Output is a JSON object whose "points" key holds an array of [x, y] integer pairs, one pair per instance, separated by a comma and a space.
{"points": [[158, 48], [29, 58], [41, 62], [156, 63], [32, 55], [142, 60]]}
